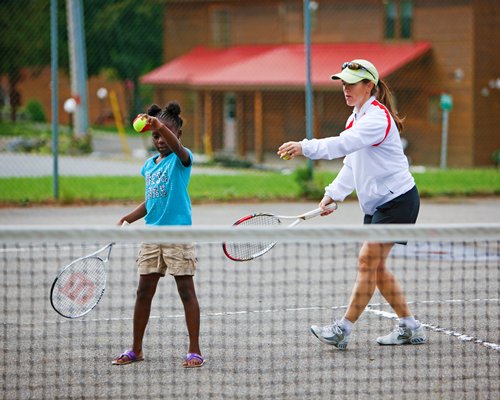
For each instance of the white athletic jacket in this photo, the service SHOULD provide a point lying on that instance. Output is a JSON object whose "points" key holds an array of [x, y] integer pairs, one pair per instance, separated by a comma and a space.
{"points": [[374, 163]]}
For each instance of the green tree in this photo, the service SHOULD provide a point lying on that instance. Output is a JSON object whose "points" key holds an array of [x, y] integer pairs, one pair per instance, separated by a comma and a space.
{"points": [[25, 42], [124, 38]]}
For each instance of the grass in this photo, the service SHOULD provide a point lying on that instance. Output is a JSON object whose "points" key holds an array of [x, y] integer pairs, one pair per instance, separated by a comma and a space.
{"points": [[250, 185], [247, 186]]}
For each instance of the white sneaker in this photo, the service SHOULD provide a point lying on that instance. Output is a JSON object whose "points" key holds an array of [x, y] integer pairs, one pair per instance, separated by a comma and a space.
{"points": [[333, 335], [404, 335]]}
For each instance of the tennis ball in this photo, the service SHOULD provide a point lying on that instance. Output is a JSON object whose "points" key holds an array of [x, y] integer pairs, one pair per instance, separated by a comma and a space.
{"points": [[140, 123], [285, 156]]}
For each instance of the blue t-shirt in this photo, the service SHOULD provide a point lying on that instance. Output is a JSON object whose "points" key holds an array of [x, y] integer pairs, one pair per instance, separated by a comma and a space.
{"points": [[167, 198]]}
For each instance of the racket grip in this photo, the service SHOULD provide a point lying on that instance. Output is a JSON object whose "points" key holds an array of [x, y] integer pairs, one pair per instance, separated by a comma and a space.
{"points": [[314, 213]]}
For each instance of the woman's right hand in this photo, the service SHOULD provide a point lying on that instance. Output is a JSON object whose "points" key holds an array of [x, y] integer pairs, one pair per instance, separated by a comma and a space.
{"points": [[290, 150]]}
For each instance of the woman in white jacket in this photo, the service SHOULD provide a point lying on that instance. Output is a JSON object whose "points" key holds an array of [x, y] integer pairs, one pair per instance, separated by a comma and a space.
{"points": [[377, 168]]}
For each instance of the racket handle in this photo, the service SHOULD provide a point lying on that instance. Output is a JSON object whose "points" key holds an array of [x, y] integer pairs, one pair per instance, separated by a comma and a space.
{"points": [[314, 213]]}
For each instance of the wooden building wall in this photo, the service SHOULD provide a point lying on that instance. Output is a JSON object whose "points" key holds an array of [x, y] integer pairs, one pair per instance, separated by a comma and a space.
{"points": [[452, 51], [461, 41], [35, 85], [486, 100], [348, 21]]}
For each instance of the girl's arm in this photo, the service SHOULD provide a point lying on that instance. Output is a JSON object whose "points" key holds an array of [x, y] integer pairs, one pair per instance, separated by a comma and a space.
{"points": [[138, 213], [172, 140]]}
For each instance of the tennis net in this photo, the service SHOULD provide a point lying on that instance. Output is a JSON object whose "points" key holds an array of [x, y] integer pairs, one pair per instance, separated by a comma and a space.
{"points": [[255, 316]]}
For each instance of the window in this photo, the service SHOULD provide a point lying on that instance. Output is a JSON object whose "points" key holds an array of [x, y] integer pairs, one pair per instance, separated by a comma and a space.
{"points": [[221, 27], [390, 18], [406, 18], [398, 19], [229, 105]]}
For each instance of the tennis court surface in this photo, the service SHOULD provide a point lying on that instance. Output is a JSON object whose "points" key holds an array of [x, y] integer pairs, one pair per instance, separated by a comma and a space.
{"points": [[255, 316]]}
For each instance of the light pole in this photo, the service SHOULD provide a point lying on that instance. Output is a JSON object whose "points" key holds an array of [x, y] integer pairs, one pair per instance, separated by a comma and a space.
{"points": [[102, 93], [70, 108]]}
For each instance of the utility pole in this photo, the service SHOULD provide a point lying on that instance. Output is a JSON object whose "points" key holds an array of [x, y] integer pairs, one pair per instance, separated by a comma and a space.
{"points": [[308, 88], [78, 65]]}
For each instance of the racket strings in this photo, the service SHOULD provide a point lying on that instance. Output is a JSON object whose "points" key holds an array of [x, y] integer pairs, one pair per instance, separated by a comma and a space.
{"points": [[79, 287], [249, 250]]}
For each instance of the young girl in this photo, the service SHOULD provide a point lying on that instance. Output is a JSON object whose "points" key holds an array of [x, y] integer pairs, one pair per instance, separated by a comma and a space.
{"points": [[167, 203], [376, 167]]}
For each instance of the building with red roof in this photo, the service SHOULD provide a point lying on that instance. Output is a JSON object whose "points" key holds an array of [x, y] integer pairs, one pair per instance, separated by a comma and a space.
{"points": [[238, 69]]}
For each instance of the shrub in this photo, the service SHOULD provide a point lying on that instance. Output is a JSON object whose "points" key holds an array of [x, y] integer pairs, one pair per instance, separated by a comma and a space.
{"points": [[34, 111], [308, 187]]}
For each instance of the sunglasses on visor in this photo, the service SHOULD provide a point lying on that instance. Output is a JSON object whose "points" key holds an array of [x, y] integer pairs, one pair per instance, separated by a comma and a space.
{"points": [[355, 66]]}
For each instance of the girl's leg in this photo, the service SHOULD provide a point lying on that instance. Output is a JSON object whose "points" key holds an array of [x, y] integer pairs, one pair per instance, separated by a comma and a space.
{"points": [[371, 256], [145, 293], [187, 292]]}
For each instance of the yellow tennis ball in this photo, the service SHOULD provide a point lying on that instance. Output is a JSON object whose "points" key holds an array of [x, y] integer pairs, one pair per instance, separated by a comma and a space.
{"points": [[285, 156], [140, 123]]}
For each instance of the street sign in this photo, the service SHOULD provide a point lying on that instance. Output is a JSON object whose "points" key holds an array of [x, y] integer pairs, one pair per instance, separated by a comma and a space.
{"points": [[446, 102], [446, 106]]}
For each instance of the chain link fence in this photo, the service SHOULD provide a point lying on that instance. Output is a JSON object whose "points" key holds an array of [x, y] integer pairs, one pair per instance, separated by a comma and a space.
{"points": [[238, 70]]}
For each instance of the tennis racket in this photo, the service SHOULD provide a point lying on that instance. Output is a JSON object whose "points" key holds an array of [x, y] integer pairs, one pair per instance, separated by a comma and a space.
{"points": [[80, 285], [252, 250]]}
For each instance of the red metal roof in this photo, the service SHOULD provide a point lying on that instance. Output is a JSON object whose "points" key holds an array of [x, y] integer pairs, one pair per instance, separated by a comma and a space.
{"points": [[278, 65]]}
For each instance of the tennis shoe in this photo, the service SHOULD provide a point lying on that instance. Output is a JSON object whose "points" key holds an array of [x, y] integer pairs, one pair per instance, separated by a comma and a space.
{"points": [[333, 335], [404, 335]]}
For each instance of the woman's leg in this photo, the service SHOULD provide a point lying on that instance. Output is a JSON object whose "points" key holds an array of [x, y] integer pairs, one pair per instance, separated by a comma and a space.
{"points": [[409, 330], [371, 256], [392, 291]]}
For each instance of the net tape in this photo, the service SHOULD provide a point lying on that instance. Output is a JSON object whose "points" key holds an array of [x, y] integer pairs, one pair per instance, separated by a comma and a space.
{"points": [[183, 234]]}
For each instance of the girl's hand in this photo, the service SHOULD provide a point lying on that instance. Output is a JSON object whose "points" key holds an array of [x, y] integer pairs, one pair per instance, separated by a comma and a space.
{"points": [[323, 203], [290, 150], [153, 122]]}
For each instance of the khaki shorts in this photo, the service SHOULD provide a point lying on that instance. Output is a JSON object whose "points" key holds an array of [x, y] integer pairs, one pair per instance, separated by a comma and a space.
{"points": [[174, 259]]}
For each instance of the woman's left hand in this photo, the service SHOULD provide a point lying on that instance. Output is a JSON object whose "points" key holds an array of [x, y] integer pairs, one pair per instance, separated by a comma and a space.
{"points": [[325, 201]]}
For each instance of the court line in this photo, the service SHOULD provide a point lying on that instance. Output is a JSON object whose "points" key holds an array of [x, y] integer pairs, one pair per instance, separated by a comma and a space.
{"points": [[369, 308], [436, 328]]}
